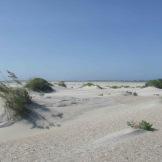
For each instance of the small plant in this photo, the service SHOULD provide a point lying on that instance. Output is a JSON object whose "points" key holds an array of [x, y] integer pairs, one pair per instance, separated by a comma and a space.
{"points": [[145, 125], [142, 125], [135, 94], [115, 87], [126, 86], [154, 83], [100, 94], [90, 85], [39, 85], [62, 84]]}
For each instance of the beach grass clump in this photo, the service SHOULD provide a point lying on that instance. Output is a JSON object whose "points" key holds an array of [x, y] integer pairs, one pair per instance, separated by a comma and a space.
{"points": [[39, 85], [88, 85], [15, 99], [125, 86], [91, 85], [154, 83], [115, 87], [62, 84], [141, 125], [135, 94]]}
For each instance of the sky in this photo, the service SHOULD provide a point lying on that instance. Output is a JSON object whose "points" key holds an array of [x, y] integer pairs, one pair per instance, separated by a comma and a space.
{"points": [[81, 39]]}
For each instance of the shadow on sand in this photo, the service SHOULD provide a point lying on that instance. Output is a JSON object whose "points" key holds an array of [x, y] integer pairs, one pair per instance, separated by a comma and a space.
{"points": [[37, 119], [35, 115]]}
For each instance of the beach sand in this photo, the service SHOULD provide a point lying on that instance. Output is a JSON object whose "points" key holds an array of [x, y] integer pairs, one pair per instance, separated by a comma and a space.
{"points": [[86, 125]]}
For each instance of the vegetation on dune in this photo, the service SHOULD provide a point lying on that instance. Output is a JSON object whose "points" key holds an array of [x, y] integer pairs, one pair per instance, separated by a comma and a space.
{"points": [[62, 84], [115, 87], [141, 125], [90, 85], [39, 85], [154, 83], [16, 99], [135, 94]]}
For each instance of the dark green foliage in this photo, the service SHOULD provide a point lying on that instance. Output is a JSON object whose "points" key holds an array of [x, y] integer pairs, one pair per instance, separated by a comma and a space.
{"points": [[135, 94], [142, 125], [39, 85], [145, 125], [90, 85], [154, 83], [115, 87], [62, 84]]}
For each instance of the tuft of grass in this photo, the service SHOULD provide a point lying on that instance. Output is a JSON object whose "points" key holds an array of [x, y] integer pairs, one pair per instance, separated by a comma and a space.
{"points": [[39, 85], [135, 94], [154, 83], [15, 99], [62, 84], [115, 87], [126, 86], [90, 85], [141, 125]]}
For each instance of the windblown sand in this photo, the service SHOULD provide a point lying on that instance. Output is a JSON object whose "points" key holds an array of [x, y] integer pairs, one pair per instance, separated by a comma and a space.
{"points": [[86, 125]]}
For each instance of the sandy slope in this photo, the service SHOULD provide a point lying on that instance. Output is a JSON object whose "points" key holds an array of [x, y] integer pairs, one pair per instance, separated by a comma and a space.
{"points": [[92, 128]]}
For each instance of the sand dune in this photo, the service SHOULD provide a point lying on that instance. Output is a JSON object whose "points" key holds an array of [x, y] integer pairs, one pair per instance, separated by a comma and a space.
{"points": [[78, 124]]}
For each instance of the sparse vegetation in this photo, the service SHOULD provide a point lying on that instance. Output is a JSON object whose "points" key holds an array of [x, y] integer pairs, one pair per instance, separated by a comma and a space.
{"points": [[126, 86], [154, 83], [88, 85], [141, 125], [115, 87], [39, 85], [135, 94], [15, 100], [62, 84], [91, 84]]}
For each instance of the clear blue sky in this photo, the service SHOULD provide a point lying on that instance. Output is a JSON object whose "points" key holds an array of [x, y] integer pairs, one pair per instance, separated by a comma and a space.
{"points": [[82, 39]]}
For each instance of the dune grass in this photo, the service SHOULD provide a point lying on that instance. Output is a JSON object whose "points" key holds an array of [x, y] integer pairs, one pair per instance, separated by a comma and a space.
{"points": [[154, 83], [62, 84], [39, 85], [16, 99], [91, 85]]}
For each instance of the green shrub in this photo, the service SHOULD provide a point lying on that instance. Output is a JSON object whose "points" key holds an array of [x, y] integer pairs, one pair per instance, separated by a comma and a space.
{"points": [[90, 85], [62, 84], [115, 87], [39, 85], [142, 125], [154, 83], [135, 94], [145, 125]]}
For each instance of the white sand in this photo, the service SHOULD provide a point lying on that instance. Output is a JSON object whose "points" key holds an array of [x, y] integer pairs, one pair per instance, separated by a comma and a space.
{"points": [[92, 129]]}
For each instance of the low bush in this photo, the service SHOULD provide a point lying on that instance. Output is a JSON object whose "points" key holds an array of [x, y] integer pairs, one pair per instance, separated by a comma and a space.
{"points": [[141, 125], [115, 87], [39, 85], [91, 84], [135, 94], [154, 83], [62, 84], [88, 85]]}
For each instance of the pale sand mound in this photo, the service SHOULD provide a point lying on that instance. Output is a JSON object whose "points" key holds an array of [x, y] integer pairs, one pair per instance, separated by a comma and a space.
{"points": [[92, 128]]}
